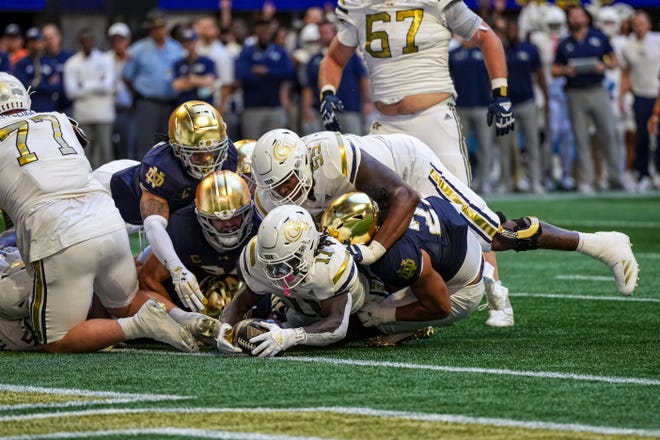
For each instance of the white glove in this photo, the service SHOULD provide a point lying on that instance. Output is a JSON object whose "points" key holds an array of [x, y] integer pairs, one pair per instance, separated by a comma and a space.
{"points": [[187, 288], [367, 255], [276, 340], [224, 345], [372, 314]]}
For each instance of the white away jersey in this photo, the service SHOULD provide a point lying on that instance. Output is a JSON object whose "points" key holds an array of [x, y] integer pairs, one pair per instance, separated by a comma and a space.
{"points": [[44, 175], [334, 272], [405, 45]]}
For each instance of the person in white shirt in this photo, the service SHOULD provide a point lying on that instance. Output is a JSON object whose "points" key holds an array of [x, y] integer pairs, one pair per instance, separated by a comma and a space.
{"points": [[89, 81], [209, 46]]}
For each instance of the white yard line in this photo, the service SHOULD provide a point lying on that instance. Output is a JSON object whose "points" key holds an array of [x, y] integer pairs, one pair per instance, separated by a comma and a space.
{"points": [[110, 397], [584, 297], [615, 224], [430, 417], [449, 369], [179, 432]]}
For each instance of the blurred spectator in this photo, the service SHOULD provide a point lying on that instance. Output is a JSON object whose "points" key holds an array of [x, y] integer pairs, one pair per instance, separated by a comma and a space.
{"points": [[553, 30], [194, 75], [34, 73], [53, 60], [4, 62], [468, 71], [149, 73], [582, 58], [641, 67], [89, 80], [209, 46], [523, 63], [261, 69], [353, 89], [123, 137], [14, 44]]}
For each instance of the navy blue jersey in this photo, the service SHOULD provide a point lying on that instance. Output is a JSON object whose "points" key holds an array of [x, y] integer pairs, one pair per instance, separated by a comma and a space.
{"points": [[162, 174], [195, 251], [438, 229]]}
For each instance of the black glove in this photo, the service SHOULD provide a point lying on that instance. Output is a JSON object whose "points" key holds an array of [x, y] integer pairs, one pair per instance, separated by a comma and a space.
{"points": [[500, 109]]}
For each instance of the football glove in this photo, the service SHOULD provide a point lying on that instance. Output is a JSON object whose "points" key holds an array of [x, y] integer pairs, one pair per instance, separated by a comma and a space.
{"points": [[224, 336], [187, 289], [372, 313], [500, 110], [366, 255], [276, 340], [329, 104]]}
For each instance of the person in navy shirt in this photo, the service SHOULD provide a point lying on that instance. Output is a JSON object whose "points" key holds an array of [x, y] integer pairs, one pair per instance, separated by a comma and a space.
{"points": [[53, 59], [523, 63], [261, 69], [582, 58], [468, 71], [353, 89], [194, 75], [4, 62]]}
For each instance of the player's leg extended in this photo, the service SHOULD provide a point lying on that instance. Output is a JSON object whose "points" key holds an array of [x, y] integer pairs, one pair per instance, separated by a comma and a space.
{"points": [[611, 248]]}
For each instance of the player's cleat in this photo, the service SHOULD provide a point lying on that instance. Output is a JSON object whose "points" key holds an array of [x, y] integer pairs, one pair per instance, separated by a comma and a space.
{"points": [[399, 338], [203, 328], [499, 306], [615, 250], [154, 322]]}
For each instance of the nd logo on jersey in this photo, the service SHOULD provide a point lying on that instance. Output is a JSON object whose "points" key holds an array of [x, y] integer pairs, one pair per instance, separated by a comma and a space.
{"points": [[407, 269], [155, 178]]}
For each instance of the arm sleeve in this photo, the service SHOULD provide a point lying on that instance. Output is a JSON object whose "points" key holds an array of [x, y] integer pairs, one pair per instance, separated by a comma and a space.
{"points": [[334, 336], [161, 243], [461, 20]]}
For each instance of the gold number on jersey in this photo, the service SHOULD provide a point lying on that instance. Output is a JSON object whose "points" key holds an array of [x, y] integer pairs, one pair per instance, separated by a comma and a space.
{"points": [[22, 127], [384, 52], [317, 157]]}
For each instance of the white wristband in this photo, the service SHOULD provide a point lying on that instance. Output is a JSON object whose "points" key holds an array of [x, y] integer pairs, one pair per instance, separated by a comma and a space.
{"points": [[377, 249], [388, 314], [328, 88], [498, 82]]}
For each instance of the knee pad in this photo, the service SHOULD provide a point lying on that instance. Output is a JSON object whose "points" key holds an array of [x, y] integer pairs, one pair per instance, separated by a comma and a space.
{"points": [[524, 235]]}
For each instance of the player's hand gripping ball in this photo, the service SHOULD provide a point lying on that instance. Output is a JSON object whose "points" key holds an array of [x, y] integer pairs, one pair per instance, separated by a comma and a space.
{"points": [[247, 329]]}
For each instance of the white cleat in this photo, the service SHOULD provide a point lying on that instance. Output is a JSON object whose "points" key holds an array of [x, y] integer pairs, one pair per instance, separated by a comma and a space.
{"points": [[204, 328], [155, 323], [499, 306], [616, 252]]}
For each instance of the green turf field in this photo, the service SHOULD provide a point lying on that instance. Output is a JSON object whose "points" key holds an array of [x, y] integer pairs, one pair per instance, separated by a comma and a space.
{"points": [[581, 362]]}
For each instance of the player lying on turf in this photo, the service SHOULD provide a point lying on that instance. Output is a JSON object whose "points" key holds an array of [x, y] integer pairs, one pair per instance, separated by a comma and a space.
{"points": [[438, 263], [312, 273]]}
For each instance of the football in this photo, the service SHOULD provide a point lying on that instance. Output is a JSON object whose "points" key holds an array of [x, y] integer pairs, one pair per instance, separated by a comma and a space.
{"points": [[245, 330]]}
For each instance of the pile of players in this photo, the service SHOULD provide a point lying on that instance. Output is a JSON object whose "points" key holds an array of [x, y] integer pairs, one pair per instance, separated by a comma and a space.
{"points": [[401, 247]]}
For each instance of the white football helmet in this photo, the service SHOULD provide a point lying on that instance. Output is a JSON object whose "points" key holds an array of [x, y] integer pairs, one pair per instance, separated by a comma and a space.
{"points": [[286, 243], [608, 21], [13, 95], [221, 196], [553, 20], [281, 166]]}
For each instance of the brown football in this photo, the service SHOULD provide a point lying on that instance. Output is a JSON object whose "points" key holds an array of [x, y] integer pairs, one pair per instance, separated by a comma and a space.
{"points": [[245, 330]]}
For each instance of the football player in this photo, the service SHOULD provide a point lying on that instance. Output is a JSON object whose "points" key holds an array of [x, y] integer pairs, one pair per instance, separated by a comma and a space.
{"points": [[312, 273], [209, 235], [319, 167], [70, 235], [245, 148], [406, 49], [439, 265], [166, 179]]}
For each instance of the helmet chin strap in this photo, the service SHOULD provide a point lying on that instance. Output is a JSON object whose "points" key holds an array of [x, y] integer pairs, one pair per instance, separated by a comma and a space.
{"points": [[285, 284]]}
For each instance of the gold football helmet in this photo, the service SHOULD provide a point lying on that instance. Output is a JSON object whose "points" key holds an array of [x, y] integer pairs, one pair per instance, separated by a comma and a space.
{"points": [[198, 136], [351, 218], [224, 209], [219, 290], [245, 148]]}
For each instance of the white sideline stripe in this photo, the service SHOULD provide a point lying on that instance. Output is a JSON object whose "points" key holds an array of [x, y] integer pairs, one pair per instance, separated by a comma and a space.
{"points": [[430, 417], [587, 297], [496, 371], [112, 397], [361, 363], [653, 255], [584, 278], [182, 432]]}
